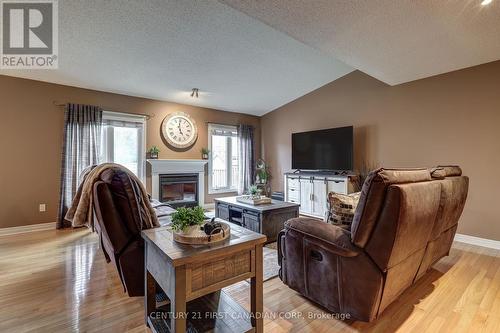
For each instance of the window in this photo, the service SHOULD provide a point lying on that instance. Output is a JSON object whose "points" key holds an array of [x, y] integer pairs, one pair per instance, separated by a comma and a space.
{"points": [[223, 173], [123, 141]]}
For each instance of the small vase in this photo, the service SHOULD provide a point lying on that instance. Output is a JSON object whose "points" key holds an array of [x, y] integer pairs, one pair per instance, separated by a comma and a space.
{"points": [[204, 156], [153, 156]]}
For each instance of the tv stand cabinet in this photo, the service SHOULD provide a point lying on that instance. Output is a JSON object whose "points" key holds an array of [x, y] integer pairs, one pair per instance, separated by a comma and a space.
{"points": [[310, 190]]}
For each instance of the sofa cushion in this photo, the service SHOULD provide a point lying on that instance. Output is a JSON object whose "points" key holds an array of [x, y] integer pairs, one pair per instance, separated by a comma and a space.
{"points": [[372, 197], [451, 170], [342, 208], [438, 173]]}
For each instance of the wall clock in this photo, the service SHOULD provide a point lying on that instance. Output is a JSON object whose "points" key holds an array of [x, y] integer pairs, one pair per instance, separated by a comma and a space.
{"points": [[179, 129]]}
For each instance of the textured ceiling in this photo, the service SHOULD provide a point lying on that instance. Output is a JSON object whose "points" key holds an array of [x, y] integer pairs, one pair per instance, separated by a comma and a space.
{"points": [[394, 41], [162, 49]]}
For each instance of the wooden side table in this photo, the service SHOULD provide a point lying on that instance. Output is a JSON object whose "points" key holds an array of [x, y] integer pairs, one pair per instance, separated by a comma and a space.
{"points": [[188, 274]]}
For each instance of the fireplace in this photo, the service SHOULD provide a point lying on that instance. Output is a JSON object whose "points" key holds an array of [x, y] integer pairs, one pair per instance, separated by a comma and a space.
{"points": [[177, 169], [179, 190]]}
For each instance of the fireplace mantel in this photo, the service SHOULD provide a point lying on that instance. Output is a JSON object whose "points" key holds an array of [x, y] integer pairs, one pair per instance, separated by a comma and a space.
{"points": [[175, 166]]}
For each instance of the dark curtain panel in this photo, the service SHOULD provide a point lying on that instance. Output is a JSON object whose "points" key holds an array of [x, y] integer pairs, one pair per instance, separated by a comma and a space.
{"points": [[246, 163], [82, 137]]}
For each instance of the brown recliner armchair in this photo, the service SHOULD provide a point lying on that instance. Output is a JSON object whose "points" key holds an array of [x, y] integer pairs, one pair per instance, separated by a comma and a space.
{"points": [[117, 217], [405, 221]]}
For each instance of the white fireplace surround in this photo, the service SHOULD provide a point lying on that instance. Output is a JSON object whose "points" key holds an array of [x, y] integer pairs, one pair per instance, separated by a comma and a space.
{"points": [[166, 167]]}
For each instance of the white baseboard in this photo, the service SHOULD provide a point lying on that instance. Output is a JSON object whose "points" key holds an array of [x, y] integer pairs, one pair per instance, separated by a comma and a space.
{"points": [[484, 242], [27, 228]]}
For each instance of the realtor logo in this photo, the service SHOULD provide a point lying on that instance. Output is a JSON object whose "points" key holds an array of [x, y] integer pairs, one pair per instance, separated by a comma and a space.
{"points": [[29, 34]]}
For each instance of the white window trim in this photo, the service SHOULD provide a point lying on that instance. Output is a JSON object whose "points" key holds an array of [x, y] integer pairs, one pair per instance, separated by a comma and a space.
{"points": [[212, 190], [118, 116]]}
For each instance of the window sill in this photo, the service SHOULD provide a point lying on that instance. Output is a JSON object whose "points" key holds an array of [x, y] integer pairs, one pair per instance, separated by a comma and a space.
{"points": [[222, 191]]}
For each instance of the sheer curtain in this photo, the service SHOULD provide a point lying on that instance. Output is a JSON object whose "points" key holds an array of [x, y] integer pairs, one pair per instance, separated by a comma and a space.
{"points": [[82, 137], [246, 165]]}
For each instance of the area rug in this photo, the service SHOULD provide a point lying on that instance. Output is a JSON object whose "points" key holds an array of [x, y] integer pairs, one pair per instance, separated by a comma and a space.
{"points": [[270, 258]]}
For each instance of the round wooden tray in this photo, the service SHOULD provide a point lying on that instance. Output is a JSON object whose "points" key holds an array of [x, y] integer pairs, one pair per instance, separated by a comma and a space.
{"points": [[196, 236]]}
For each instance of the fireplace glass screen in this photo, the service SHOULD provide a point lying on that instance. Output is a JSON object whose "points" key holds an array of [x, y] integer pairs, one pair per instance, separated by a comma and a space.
{"points": [[179, 190]]}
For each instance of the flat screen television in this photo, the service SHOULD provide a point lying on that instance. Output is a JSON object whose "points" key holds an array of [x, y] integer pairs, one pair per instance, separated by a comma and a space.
{"points": [[329, 149]]}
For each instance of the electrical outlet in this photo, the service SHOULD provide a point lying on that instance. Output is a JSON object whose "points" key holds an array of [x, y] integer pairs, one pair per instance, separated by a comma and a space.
{"points": [[42, 207]]}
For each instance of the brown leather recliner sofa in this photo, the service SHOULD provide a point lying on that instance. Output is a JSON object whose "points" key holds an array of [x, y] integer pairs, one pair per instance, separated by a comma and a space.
{"points": [[405, 221]]}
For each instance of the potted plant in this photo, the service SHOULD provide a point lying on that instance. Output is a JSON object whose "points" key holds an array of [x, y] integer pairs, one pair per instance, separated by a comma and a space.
{"points": [[254, 191], [153, 153], [204, 153], [261, 172], [262, 176], [186, 220]]}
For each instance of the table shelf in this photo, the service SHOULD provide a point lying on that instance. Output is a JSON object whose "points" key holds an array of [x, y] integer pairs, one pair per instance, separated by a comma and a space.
{"points": [[232, 317]]}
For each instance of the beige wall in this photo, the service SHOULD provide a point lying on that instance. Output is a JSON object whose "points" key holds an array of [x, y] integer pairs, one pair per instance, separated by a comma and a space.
{"points": [[451, 118], [31, 140], [448, 119]]}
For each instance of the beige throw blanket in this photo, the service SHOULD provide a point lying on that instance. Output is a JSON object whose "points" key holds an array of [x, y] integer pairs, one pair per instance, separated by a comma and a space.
{"points": [[81, 211]]}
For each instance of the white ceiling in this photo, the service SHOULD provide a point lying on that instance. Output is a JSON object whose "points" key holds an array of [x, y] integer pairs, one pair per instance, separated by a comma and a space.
{"points": [[394, 41], [162, 49], [254, 56]]}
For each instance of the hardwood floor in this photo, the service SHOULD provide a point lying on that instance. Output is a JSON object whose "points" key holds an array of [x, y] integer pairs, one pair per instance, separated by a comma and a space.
{"points": [[58, 281]]}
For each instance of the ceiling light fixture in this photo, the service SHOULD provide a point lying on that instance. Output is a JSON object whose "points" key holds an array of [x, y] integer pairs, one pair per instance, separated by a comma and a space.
{"points": [[486, 2], [194, 92]]}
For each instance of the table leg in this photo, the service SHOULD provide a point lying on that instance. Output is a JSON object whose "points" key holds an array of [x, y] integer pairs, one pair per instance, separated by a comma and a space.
{"points": [[178, 301], [149, 295], [256, 292]]}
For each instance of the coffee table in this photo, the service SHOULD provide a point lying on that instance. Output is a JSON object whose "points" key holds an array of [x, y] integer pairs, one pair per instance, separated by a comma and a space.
{"points": [[267, 219], [192, 276]]}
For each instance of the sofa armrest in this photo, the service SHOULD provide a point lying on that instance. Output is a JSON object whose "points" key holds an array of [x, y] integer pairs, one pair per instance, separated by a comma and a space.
{"points": [[337, 239]]}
